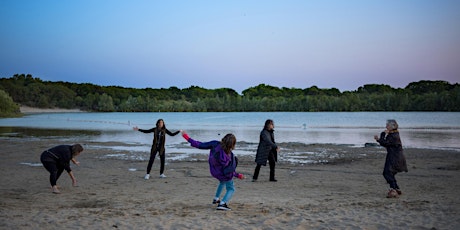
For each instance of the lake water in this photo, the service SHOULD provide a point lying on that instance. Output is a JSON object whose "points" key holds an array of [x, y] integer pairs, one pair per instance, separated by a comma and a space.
{"points": [[437, 130]]}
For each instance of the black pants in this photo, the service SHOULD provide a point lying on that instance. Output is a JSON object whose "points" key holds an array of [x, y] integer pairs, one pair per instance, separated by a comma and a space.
{"points": [[271, 162], [152, 159], [389, 176], [54, 169]]}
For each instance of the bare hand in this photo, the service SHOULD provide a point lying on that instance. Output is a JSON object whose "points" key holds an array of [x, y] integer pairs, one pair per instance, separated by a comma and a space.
{"points": [[76, 162]]}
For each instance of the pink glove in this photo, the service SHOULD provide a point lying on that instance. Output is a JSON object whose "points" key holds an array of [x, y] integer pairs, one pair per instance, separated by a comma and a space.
{"points": [[185, 136], [240, 176]]}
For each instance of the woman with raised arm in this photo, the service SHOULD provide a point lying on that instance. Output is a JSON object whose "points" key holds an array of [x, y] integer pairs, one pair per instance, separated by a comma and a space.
{"points": [[158, 145]]}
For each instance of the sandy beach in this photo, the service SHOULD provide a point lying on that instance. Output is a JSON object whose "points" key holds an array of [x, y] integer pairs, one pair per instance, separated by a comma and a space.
{"points": [[348, 193]]}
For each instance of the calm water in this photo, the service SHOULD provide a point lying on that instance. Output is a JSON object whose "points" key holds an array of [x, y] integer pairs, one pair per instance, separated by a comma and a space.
{"points": [[113, 131], [418, 129]]}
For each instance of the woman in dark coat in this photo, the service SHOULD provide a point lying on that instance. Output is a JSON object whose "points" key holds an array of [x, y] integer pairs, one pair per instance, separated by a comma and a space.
{"points": [[158, 145], [267, 150], [57, 159], [395, 160]]}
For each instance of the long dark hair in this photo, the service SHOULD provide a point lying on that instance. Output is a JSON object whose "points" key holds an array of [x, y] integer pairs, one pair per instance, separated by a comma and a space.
{"points": [[228, 143], [158, 123], [268, 122]]}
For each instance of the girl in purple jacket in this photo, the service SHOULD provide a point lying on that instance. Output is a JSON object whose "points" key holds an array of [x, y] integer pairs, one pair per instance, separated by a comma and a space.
{"points": [[222, 165]]}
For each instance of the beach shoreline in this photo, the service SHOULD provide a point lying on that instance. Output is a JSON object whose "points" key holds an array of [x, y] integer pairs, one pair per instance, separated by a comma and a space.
{"points": [[30, 110], [343, 194]]}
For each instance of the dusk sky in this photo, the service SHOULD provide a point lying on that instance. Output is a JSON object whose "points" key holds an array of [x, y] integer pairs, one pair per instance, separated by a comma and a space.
{"points": [[234, 44]]}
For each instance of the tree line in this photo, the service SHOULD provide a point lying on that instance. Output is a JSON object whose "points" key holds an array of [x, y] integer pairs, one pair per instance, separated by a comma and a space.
{"points": [[416, 96]]}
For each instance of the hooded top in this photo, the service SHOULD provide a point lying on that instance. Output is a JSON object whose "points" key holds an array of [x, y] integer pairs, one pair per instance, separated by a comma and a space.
{"points": [[222, 166]]}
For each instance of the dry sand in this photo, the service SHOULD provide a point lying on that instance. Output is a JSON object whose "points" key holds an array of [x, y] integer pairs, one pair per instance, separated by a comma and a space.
{"points": [[345, 194]]}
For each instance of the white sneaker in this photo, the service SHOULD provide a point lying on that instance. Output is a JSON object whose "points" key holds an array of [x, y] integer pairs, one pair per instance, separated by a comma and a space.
{"points": [[162, 176], [147, 176]]}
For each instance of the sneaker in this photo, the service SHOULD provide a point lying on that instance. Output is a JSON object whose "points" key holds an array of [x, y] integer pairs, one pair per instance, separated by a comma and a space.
{"points": [[254, 180], [392, 194], [215, 201], [56, 190], [223, 207], [162, 176], [147, 176], [273, 180]]}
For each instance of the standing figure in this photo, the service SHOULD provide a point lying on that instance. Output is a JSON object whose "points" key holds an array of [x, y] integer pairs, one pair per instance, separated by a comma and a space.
{"points": [[57, 159], [267, 150], [158, 145], [395, 160], [222, 165]]}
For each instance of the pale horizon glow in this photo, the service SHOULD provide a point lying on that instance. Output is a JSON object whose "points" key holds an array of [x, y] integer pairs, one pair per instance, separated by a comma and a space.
{"points": [[232, 44]]}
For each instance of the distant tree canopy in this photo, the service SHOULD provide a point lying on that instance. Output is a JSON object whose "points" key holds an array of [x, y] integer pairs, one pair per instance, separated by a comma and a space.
{"points": [[417, 96]]}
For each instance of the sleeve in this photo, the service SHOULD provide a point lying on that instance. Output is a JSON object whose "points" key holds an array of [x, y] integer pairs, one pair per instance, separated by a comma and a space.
{"points": [[67, 167], [202, 145], [65, 155], [265, 135], [388, 141], [147, 130], [239, 175], [172, 133]]}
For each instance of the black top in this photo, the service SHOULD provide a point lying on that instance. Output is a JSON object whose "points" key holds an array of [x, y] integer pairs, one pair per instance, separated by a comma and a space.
{"points": [[61, 155]]}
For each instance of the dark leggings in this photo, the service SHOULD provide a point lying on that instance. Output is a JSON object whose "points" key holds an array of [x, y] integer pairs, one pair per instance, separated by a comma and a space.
{"points": [[271, 162], [389, 176], [55, 171], [152, 159]]}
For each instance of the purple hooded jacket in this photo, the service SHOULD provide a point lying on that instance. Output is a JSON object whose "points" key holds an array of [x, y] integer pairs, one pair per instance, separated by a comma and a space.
{"points": [[221, 165]]}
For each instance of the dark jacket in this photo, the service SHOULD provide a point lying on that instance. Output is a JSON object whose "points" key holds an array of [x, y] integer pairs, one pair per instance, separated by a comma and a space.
{"points": [[395, 158], [60, 155], [159, 138], [221, 165], [266, 147]]}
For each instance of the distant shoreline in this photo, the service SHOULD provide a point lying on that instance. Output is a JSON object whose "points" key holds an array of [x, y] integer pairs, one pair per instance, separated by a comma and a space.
{"points": [[27, 109]]}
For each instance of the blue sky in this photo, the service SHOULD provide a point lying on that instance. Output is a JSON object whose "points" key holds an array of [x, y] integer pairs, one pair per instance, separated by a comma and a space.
{"points": [[235, 44]]}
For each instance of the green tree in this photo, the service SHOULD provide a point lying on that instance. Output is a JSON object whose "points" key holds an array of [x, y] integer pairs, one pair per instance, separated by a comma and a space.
{"points": [[7, 106], [105, 103]]}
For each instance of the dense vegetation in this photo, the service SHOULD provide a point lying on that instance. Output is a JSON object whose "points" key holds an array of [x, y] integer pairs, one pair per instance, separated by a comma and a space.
{"points": [[7, 106], [417, 96]]}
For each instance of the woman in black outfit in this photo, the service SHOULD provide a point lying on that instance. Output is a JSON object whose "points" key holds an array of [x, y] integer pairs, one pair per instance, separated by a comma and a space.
{"points": [[158, 145], [395, 160], [267, 150], [57, 159]]}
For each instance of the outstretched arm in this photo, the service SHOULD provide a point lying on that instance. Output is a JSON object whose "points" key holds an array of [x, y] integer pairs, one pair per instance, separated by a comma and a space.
{"points": [[144, 130], [75, 161], [172, 133], [198, 144]]}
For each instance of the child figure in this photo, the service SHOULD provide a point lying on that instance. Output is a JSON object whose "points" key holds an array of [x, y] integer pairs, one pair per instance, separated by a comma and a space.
{"points": [[222, 165]]}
